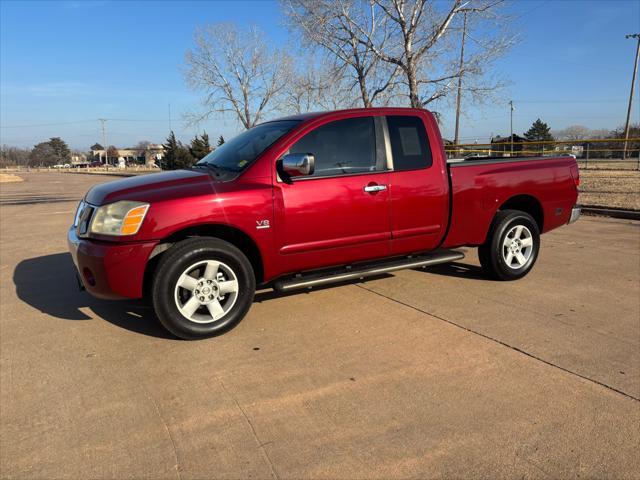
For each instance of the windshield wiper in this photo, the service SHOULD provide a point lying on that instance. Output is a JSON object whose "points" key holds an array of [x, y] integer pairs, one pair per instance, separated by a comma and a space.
{"points": [[208, 166], [225, 169]]}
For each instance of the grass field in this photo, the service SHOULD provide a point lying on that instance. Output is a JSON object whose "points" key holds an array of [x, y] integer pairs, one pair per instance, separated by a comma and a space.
{"points": [[608, 165], [8, 177], [610, 188]]}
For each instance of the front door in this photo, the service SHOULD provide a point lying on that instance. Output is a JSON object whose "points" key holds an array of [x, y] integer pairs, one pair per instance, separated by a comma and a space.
{"points": [[340, 213]]}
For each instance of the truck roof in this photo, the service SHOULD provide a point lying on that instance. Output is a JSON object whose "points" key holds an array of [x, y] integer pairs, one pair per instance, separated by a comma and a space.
{"points": [[312, 115]]}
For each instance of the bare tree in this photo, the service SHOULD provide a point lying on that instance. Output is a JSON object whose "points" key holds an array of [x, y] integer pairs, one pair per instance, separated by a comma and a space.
{"points": [[337, 27], [419, 40], [601, 133], [573, 132], [238, 72], [10, 156], [316, 86], [304, 89], [112, 153]]}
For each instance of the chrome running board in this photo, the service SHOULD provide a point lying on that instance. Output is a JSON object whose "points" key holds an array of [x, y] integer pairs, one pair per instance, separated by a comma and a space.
{"points": [[355, 272]]}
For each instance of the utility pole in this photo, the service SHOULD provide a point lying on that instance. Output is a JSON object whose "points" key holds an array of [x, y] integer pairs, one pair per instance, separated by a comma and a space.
{"points": [[464, 34], [511, 138], [169, 118], [633, 84], [104, 139]]}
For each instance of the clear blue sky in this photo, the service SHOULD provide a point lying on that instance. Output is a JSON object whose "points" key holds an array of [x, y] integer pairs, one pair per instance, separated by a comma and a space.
{"points": [[78, 61]]}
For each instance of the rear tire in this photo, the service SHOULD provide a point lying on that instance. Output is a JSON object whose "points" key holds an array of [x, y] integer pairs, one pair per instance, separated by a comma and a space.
{"points": [[202, 287], [512, 246]]}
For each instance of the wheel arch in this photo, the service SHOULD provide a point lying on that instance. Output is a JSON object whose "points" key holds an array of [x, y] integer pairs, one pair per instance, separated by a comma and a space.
{"points": [[528, 204], [231, 234]]}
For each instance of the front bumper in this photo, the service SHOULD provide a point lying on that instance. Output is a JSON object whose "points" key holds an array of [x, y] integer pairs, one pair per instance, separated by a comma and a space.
{"points": [[110, 270], [575, 214]]}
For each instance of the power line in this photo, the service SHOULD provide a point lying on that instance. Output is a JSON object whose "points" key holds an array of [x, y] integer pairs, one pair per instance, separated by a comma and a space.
{"points": [[573, 101], [517, 17], [55, 124], [47, 124], [150, 120]]}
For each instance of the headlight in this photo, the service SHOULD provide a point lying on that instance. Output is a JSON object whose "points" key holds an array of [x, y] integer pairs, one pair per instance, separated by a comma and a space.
{"points": [[119, 218]]}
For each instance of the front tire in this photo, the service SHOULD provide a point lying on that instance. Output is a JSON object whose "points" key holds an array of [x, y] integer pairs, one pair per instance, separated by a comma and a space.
{"points": [[512, 246], [202, 287]]}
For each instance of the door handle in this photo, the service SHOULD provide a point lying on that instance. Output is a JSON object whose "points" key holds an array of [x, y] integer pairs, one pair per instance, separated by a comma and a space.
{"points": [[375, 188]]}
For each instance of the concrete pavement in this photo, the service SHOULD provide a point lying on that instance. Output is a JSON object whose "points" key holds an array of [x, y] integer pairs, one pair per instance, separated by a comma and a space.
{"points": [[431, 374]]}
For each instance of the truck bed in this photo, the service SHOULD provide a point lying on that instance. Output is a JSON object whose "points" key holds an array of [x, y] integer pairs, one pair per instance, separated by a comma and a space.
{"points": [[481, 186]]}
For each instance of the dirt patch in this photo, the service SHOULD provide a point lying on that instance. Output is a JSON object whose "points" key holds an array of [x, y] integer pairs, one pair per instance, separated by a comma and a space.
{"points": [[8, 177], [615, 188]]}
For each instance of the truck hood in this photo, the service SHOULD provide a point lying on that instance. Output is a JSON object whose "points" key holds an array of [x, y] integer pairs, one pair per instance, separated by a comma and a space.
{"points": [[152, 187]]}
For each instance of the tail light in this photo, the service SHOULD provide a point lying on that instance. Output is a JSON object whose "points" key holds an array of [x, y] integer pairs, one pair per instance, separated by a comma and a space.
{"points": [[575, 173]]}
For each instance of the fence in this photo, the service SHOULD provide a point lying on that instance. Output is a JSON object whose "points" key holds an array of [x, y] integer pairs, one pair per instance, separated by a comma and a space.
{"points": [[82, 169], [603, 153]]}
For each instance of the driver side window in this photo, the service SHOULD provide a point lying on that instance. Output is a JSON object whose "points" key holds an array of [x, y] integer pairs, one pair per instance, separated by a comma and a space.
{"points": [[342, 147]]}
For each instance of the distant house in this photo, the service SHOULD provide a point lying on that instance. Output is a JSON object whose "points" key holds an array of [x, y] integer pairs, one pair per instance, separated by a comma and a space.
{"points": [[467, 151], [577, 150], [79, 159], [502, 145], [147, 156]]}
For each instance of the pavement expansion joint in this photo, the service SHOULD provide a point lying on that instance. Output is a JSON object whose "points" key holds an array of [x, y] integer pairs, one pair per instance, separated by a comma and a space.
{"points": [[504, 344]]}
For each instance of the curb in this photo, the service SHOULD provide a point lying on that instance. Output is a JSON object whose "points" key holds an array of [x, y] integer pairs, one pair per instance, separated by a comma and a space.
{"points": [[611, 212]]}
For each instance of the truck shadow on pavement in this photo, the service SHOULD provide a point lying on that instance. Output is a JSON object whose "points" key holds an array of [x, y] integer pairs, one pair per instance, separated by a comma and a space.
{"points": [[457, 269], [48, 284]]}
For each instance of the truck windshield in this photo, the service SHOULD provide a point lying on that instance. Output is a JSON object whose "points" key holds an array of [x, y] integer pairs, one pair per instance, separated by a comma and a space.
{"points": [[239, 152]]}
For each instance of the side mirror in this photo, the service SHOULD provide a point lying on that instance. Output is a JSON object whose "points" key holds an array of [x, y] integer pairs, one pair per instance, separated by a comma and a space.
{"points": [[298, 164]]}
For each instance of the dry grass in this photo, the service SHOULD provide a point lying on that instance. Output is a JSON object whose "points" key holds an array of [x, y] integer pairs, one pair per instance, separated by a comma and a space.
{"points": [[596, 164], [610, 188], [8, 177]]}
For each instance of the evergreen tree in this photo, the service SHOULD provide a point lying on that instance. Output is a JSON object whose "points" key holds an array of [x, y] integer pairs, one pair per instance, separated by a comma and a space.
{"points": [[200, 146], [42, 155], [170, 152], [60, 149], [176, 155], [539, 132], [220, 140], [184, 159], [53, 152]]}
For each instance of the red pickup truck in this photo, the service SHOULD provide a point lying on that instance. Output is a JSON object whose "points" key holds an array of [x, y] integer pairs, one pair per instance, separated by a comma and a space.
{"points": [[307, 200]]}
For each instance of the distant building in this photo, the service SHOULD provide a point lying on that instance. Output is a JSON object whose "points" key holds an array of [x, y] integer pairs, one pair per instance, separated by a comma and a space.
{"points": [[466, 151], [79, 159], [502, 145], [132, 156], [577, 150]]}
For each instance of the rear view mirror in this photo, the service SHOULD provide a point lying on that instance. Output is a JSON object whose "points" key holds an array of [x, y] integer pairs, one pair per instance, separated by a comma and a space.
{"points": [[298, 164]]}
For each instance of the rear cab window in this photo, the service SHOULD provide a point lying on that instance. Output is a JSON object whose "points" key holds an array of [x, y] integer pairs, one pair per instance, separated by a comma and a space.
{"points": [[409, 143]]}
